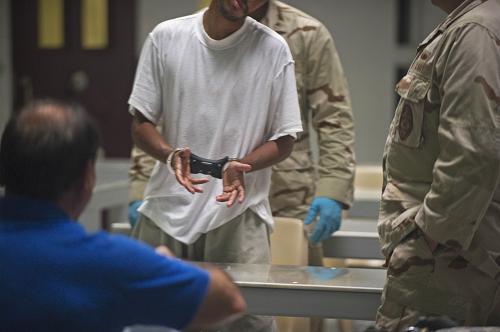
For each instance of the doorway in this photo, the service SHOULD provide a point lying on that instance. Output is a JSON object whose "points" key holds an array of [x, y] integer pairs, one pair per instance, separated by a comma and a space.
{"points": [[99, 79]]}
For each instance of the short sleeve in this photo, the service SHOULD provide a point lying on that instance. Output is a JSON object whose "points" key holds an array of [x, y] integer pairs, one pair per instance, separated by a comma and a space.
{"points": [[146, 94], [285, 104], [154, 290]]}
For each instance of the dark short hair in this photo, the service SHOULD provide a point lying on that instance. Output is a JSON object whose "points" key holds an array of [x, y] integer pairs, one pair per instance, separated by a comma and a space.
{"points": [[45, 148]]}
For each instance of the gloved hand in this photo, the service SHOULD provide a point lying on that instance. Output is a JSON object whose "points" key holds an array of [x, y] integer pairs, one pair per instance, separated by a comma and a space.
{"points": [[330, 216], [133, 214]]}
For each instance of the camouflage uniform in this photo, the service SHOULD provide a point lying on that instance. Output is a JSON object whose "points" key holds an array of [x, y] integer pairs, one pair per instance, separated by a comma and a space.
{"points": [[140, 172], [324, 99], [442, 176]]}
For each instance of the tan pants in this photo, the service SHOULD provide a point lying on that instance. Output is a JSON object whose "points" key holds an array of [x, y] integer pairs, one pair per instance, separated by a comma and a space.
{"points": [[245, 239], [421, 282]]}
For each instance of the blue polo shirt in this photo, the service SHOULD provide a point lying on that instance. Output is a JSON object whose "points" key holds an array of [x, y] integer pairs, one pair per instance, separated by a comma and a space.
{"points": [[56, 277]]}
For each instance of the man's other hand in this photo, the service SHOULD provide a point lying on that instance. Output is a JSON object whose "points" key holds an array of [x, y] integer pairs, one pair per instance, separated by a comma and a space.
{"points": [[330, 217], [164, 251], [233, 183]]}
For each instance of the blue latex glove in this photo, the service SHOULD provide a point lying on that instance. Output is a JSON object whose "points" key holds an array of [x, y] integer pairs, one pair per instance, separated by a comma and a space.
{"points": [[330, 216], [133, 214], [325, 273]]}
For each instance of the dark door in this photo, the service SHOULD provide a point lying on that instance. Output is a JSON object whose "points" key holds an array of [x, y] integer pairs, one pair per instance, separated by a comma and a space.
{"points": [[99, 79]]}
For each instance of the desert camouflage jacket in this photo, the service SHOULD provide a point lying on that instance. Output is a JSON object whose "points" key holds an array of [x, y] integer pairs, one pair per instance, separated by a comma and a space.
{"points": [[326, 108], [442, 156]]}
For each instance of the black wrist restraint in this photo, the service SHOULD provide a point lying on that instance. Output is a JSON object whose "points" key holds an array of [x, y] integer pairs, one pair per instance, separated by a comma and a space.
{"points": [[207, 166]]}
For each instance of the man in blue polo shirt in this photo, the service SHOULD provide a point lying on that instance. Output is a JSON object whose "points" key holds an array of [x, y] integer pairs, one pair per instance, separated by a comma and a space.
{"points": [[56, 277]]}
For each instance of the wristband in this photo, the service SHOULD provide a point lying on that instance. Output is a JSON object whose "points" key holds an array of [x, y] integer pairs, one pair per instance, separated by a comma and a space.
{"points": [[169, 160]]}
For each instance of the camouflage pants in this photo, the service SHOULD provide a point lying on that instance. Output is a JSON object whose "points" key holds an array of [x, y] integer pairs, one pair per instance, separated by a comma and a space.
{"points": [[421, 282]]}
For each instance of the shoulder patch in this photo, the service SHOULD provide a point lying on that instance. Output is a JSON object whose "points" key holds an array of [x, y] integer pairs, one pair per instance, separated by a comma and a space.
{"points": [[405, 122]]}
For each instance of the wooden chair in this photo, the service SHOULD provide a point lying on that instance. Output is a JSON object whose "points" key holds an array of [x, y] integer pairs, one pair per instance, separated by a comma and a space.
{"points": [[289, 247]]}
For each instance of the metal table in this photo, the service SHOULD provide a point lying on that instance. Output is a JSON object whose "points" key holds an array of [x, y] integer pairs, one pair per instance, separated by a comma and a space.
{"points": [[110, 194], [309, 291], [366, 203], [357, 238]]}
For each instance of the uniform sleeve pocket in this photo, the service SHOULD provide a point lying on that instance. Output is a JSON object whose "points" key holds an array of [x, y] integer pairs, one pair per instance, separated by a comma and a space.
{"points": [[410, 111]]}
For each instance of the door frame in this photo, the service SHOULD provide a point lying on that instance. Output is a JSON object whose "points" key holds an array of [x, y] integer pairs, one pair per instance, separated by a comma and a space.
{"points": [[5, 63], [107, 73]]}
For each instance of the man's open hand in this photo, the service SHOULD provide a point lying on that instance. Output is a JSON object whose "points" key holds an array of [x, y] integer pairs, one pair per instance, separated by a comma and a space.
{"points": [[233, 183]]}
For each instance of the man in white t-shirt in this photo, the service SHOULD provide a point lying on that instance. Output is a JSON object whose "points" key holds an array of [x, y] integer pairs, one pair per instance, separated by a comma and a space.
{"points": [[222, 85]]}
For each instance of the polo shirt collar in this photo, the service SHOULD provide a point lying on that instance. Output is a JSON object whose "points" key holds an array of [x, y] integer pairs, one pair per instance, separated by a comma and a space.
{"points": [[14, 208]]}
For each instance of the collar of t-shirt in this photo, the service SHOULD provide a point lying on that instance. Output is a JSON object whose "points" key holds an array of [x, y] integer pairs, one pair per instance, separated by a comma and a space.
{"points": [[17, 208], [228, 42]]}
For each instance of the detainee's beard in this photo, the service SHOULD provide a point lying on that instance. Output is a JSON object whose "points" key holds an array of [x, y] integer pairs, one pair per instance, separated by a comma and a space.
{"points": [[228, 16]]}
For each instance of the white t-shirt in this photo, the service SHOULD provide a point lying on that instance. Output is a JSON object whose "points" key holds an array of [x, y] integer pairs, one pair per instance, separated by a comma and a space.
{"points": [[220, 98]]}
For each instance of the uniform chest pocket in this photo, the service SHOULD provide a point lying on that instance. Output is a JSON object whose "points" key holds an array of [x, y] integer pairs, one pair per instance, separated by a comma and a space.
{"points": [[410, 111]]}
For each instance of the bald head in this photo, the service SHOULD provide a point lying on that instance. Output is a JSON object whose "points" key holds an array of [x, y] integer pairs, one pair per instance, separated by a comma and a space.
{"points": [[45, 149], [45, 121]]}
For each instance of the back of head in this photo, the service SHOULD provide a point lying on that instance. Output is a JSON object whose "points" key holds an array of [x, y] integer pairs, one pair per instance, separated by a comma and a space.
{"points": [[45, 148]]}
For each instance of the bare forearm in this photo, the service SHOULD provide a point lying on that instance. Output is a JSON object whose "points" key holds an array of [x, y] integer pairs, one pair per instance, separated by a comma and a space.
{"points": [[222, 303], [148, 139], [269, 153]]}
